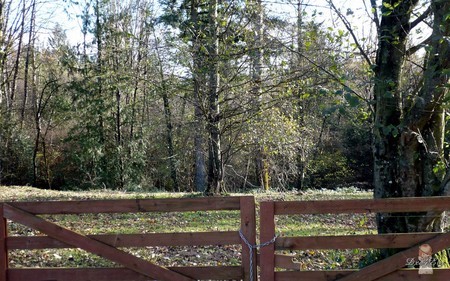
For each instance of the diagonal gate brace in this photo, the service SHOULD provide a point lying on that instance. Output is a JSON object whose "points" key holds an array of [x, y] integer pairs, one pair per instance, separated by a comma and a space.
{"points": [[396, 261], [91, 245]]}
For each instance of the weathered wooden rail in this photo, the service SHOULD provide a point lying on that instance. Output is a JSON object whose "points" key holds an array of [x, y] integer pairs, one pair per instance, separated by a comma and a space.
{"points": [[107, 245], [273, 267], [389, 269]]}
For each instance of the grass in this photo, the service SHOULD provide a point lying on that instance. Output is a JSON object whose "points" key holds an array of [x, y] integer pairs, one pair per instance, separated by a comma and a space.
{"points": [[305, 225]]}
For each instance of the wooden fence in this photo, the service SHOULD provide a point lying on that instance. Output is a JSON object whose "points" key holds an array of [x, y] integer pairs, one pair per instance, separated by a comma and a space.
{"points": [[106, 246], [273, 268]]}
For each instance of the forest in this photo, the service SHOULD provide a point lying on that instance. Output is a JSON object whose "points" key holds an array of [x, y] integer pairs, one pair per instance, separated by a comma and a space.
{"points": [[220, 96]]}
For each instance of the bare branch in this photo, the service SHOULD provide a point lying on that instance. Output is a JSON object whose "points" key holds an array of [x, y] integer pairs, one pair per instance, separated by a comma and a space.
{"points": [[419, 46], [376, 20], [329, 73], [420, 18], [349, 29]]}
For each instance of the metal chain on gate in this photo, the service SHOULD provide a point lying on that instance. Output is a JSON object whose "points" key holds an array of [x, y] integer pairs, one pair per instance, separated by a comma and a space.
{"points": [[251, 247]]}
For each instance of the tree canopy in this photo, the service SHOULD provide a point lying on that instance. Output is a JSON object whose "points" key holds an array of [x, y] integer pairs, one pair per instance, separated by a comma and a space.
{"points": [[217, 96]]}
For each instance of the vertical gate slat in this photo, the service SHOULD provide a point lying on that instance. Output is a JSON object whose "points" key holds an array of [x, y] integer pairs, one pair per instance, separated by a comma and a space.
{"points": [[3, 249], [248, 228], [267, 228]]}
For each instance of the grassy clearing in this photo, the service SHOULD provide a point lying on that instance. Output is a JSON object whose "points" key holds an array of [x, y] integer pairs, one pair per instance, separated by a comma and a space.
{"points": [[305, 225]]}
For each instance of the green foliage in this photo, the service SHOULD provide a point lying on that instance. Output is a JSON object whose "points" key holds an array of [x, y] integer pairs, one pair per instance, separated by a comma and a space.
{"points": [[370, 257], [16, 155], [102, 122], [442, 258], [357, 148], [329, 169]]}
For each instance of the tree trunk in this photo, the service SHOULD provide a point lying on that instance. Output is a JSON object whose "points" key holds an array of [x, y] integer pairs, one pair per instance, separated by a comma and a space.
{"points": [[215, 164], [200, 175], [199, 162], [98, 97], [408, 139], [118, 113], [40, 104], [169, 139], [37, 141], [141, 44], [390, 58], [17, 62], [168, 120], [301, 154], [28, 59], [262, 164], [3, 95]]}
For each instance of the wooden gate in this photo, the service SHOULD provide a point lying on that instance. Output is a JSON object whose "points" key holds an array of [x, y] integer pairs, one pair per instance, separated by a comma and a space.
{"points": [[107, 246], [389, 269]]}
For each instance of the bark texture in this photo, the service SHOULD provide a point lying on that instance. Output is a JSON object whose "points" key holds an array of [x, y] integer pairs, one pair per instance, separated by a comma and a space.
{"points": [[409, 130], [199, 158], [215, 163]]}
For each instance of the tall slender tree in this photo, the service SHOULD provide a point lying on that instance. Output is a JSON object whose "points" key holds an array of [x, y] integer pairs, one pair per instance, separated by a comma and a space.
{"points": [[215, 163], [29, 62], [2, 84], [167, 118], [257, 19], [197, 79]]}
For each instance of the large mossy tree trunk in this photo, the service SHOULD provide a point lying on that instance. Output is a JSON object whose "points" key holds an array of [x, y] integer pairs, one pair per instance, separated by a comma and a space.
{"points": [[409, 127]]}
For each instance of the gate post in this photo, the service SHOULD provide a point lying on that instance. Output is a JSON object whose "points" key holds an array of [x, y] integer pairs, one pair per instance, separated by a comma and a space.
{"points": [[248, 228], [267, 232], [3, 249]]}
